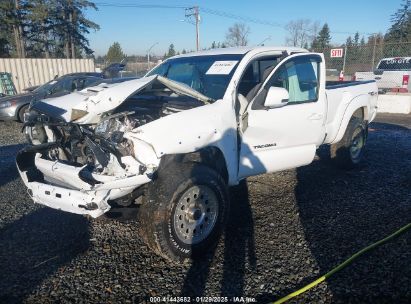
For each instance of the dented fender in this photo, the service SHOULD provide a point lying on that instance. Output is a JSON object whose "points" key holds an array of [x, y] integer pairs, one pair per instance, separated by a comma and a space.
{"points": [[212, 125]]}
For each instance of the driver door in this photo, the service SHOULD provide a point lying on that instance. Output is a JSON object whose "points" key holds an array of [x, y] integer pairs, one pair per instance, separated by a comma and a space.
{"points": [[286, 136]]}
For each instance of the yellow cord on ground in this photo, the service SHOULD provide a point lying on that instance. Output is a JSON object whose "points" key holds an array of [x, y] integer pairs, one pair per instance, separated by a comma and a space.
{"points": [[342, 265]]}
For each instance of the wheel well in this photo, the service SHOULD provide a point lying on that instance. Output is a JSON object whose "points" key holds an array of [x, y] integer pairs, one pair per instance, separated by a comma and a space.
{"points": [[209, 156], [19, 109], [359, 113]]}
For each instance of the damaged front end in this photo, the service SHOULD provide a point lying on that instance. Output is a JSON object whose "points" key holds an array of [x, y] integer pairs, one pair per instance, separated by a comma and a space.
{"points": [[81, 167], [82, 172]]}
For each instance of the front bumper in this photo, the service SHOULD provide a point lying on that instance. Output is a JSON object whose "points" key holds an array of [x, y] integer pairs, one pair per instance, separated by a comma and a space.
{"points": [[8, 113], [60, 186]]}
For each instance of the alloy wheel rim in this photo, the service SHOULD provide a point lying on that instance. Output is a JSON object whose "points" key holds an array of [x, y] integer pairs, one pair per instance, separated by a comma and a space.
{"points": [[195, 214], [357, 144]]}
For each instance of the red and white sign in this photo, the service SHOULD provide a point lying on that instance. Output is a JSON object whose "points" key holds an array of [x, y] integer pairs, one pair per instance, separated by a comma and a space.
{"points": [[337, 53]]}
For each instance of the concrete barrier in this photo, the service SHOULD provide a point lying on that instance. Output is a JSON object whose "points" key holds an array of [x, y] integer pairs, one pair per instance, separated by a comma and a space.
{"points": [[394, 103]]}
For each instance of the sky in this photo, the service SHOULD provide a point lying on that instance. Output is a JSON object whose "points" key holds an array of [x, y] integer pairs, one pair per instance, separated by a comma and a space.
{"points": [[137, 29]]}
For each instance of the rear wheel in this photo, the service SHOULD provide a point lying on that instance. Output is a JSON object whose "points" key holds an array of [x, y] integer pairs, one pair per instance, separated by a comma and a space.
{"points": [[184, 212], [348, 152]]}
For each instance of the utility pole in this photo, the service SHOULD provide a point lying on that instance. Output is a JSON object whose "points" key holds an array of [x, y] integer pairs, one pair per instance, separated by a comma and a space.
{"points": [[345, 58], [195, 11]]}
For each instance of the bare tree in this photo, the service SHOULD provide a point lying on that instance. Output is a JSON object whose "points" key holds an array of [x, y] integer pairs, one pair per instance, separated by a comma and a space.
{"points": [[301, 32], [237, 35]]}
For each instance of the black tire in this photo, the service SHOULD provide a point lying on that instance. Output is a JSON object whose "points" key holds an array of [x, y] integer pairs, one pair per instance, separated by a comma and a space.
{"points": [[348, 152], [158, 216], [22, 110]]}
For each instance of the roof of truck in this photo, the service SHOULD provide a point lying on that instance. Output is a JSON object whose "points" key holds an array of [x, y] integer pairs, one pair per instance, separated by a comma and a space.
{"points": [[243, 50]]}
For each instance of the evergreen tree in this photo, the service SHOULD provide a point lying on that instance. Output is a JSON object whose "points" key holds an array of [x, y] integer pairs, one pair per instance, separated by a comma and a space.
{"points": [[72, 25], [357, 39], [171, 51], [39, 29], [349, 42], [400, 30], [13, 13], [43, 28], [115, 53], [5, 29], [323, 39]]}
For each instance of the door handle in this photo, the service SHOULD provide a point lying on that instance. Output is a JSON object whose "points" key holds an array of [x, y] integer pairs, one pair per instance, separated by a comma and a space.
{"points": [[315, 116]]}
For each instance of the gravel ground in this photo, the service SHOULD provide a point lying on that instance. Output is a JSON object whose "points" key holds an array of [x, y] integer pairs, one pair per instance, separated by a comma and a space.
{"points": [[286, 229]]}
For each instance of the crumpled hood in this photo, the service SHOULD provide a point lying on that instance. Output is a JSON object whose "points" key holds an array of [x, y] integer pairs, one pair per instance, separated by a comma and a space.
{"points": [[94, 100], [105, 97]]}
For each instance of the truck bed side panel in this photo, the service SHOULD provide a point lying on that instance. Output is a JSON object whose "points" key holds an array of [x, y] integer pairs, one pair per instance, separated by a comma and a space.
{"points": [[343, 100]]}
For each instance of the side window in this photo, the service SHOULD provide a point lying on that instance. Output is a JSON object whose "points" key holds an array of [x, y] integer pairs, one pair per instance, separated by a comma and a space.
{"points": [[82, 83], [64, 85], [255, 74], [300, 77], [249, 79]]}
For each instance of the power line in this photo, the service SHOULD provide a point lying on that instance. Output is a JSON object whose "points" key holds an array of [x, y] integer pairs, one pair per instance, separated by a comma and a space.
{"points": [[131, 5], [240, 18], [213, 12]]}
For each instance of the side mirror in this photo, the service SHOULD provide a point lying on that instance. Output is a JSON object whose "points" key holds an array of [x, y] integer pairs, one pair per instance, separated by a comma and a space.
{"points": [[276, 97]]}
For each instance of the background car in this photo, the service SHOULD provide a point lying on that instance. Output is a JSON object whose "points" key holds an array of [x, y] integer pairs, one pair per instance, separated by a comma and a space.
{"points": [[14, 107]]}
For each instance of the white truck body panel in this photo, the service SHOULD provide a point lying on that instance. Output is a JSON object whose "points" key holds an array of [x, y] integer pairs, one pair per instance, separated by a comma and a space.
{"points": [[343, 102], [257, 141]]}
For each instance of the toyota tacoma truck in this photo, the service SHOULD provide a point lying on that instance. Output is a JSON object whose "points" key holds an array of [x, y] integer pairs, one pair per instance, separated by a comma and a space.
{"points": [[171, 143]]}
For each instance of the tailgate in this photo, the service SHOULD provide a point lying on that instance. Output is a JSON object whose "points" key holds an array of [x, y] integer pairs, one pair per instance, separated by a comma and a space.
{"points": [[390, 79]]}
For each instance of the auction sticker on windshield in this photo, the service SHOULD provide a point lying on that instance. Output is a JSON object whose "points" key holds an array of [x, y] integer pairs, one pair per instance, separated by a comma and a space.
{"points": [[221, 67]]}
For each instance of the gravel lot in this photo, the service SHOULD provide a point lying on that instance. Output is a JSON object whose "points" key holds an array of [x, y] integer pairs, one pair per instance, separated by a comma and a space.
{"points": [[286, 229]]}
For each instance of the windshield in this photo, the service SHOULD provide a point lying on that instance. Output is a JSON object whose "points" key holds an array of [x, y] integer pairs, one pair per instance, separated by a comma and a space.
{"points": [[45, 87], [399, 64], [208, 75]]}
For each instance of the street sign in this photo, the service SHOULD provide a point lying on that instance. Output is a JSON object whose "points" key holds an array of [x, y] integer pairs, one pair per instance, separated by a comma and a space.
{"points": [[337, 53]]}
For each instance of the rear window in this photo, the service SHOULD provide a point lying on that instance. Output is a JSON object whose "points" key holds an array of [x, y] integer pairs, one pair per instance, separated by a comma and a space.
{"points": [[398, 64]]}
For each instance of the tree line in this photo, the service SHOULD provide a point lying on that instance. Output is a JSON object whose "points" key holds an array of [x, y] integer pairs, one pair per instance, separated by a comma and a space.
{"points": [[45, 28], [307, 33]]}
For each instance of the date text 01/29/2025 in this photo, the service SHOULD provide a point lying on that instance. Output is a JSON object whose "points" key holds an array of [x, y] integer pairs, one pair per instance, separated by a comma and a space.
{"points": [[203, 299]]}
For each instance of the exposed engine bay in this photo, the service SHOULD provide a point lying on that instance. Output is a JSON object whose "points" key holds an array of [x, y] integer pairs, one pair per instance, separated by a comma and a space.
{"points": [[92, 145], [94, 149]]}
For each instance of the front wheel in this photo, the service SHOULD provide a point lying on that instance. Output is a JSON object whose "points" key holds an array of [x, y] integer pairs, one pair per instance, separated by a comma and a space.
{"points": [[184, 212], [24, 109], [348, 152]]}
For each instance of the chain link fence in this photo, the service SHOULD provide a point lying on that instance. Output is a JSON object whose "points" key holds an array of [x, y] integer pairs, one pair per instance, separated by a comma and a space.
{"points": [[387, 63], [134, 67]]}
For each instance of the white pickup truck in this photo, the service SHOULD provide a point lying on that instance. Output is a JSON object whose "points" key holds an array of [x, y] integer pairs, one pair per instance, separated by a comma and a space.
{"points": [[391, 74], [172, 142]]}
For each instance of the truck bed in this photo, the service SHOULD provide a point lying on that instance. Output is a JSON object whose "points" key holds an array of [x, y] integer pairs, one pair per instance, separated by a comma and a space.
{"points": [[339, 95], [330, 85]]}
